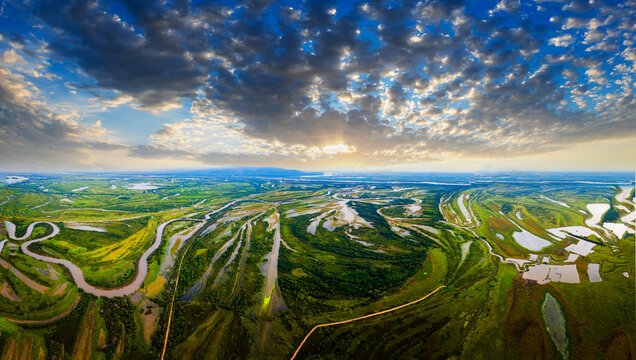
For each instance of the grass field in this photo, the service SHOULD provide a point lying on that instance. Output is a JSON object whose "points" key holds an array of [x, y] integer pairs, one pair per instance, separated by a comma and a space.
{"points": [[345, 251]]}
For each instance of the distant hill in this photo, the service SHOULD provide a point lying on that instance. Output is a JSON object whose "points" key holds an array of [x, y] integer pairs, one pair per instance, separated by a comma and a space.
{"points": [[243, 172]]}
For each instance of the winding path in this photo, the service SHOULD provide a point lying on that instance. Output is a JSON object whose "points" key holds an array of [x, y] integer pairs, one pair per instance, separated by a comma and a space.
{"points": [[363, 317]]}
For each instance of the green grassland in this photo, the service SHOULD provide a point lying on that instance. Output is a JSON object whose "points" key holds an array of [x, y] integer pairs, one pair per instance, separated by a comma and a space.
{"points": [[343, 271]]}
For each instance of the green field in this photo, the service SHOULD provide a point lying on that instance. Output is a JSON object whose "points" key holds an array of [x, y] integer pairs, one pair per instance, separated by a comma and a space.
{"points": [[327, 252]]}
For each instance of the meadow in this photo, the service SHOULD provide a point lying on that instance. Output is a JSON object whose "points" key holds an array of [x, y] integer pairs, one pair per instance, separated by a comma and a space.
{"points": [[246, 267]]}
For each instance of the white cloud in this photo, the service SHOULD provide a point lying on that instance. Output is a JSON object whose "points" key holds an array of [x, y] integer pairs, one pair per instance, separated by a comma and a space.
{"points": [[563, 40], [593, 36], [574, 23], [596, 75], [338, 149], [507, 5]]}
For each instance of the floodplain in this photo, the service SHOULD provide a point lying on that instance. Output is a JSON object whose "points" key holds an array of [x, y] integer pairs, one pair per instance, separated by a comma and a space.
{"points": [[115, 267]]}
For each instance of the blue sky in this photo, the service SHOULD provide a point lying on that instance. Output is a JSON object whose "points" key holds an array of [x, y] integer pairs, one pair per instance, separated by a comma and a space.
{"points": [[422, 85]]}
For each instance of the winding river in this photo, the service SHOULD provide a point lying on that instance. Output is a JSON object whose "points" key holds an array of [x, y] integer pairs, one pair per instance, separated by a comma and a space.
{"points": [[78, 275], [76, 272]]}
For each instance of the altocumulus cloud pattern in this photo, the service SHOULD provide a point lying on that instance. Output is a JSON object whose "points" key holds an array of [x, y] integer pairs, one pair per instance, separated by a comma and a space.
{"points": [[290, 81]]}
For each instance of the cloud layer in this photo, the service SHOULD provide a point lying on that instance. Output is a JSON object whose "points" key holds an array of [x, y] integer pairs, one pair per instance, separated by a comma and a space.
{"points": [[289, 83]]}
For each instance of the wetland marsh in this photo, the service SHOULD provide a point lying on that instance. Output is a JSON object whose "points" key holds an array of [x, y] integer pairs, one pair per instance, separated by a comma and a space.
{"points": [[260, 264]]}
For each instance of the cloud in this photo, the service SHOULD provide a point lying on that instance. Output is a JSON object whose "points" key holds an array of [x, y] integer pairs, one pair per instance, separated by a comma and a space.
{"points": [[386, 81], [563, 40], [574, 22], [158, 58], [511, 6], [31, 133]]}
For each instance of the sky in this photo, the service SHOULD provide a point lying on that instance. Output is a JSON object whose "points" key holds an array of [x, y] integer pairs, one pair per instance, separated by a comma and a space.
{"points": [[318, 85]]}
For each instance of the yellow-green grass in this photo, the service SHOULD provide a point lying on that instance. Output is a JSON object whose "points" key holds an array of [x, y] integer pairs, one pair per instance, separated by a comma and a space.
{"points": [[156, 287]]}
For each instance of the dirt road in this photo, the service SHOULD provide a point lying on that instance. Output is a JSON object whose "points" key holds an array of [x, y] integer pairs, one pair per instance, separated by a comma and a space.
{"points": [[363, 317]]}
